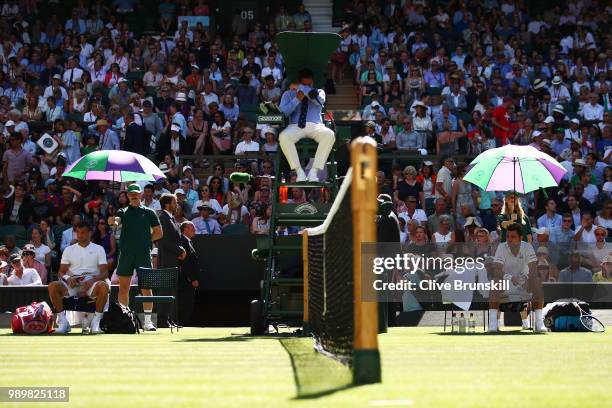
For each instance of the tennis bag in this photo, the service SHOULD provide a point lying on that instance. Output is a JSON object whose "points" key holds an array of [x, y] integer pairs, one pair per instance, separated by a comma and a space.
{"points": [[564, 316], [120, 319], [36, 318]]}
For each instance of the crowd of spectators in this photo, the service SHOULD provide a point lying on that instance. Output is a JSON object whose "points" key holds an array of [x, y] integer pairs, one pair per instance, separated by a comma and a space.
{"points": [[432, 79], [79, 78], [455, 79]]}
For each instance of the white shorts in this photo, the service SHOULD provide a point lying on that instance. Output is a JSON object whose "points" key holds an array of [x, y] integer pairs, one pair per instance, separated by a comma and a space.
{"points": [[75, 291]]}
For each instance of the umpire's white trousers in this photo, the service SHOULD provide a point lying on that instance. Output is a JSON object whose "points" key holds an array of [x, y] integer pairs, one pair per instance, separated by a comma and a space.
{"points": [[318, 132]]}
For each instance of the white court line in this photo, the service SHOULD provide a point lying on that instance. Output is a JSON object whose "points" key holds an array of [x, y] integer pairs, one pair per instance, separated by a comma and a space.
{"points": [[391, 403]]}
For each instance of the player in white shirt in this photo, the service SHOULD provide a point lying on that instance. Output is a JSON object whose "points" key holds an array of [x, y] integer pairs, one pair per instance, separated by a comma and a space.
{"points": [[83, 273], [22, 276], [516, 261]]}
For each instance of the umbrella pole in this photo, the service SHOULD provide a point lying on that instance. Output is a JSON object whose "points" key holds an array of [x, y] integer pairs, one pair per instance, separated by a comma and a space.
{"points": [[514, 187]]}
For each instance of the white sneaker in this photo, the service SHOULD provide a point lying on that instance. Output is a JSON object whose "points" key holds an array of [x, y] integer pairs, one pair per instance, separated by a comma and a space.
{"points": [[542, 329], [150, 327], [301, 176], [313, 175], [95, 324], [525, 325], [63, 326]]}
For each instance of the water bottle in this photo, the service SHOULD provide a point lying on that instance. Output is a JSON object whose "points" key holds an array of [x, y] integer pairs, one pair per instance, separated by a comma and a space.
{"points": [[462, 324], [472, 324], [455, 323]]}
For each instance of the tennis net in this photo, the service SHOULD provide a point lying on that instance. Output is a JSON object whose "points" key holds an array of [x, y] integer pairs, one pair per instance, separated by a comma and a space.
{"points": [[330, 279]]}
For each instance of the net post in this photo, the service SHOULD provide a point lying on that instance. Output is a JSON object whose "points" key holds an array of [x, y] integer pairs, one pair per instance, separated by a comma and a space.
{"points": [[364, 204], [305, 324]]}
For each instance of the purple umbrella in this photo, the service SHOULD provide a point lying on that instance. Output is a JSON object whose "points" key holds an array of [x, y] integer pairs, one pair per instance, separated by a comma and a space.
{"points": [[514, 168], [114, 165]]}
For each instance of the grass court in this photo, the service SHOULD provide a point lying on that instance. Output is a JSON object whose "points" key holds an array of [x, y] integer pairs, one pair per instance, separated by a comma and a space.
{"points": [[222, 367]]}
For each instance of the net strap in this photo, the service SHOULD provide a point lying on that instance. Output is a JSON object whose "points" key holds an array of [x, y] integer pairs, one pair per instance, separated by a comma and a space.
{"points": [[344, 187]]}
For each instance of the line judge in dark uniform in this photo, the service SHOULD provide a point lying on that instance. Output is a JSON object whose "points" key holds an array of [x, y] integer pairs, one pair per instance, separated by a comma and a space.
{"points": [[189, 273], [170, 252]]}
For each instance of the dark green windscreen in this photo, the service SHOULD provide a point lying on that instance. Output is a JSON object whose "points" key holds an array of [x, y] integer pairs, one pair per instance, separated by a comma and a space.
{"points": [[307, 50]]}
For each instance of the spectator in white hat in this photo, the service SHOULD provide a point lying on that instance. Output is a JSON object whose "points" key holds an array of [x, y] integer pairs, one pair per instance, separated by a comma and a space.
{"points": [[175, 140], [605, 274], [56, 84], [541, 236], [204, 224], [370, 110], [188, 173], [9, 128], [558, 92], [536, 139], [573, 131], [271, 145]]}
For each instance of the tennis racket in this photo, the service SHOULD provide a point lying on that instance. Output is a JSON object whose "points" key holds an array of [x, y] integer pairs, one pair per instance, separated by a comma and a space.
{"points": [[590, 322]]}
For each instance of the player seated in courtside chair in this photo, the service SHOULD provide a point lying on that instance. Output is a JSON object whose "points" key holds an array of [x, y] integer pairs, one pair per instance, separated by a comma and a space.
{"points": [[302, 104]]}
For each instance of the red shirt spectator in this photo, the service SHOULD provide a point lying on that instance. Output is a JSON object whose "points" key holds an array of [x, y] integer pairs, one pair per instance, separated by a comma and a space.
{"points": [[501, 122]]}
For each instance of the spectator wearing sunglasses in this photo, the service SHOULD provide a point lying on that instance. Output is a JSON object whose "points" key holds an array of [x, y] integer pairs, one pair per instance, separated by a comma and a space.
{"points": [[247, 145], [599, 250], [205, 196], [22, 276], [219, 171]]}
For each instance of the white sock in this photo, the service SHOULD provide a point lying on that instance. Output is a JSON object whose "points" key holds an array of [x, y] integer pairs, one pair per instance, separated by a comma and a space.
{"points": [[493, 319], [539, 319], [61, 316], [99, 314], [147, 316], [526, 322]]}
